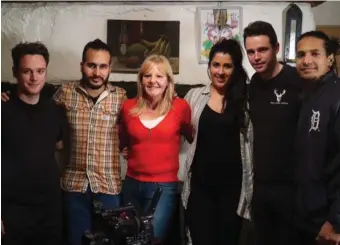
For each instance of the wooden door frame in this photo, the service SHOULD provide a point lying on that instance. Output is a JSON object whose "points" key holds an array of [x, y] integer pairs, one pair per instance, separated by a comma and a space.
{"points": [[337, 35]]}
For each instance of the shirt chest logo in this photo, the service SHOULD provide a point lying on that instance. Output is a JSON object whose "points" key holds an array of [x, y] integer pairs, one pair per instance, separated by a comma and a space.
{"points": [[315, 121], [279, 95]]}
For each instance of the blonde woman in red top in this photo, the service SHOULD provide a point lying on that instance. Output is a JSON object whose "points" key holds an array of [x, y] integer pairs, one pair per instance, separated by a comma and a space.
{"points": [[151, 128]]}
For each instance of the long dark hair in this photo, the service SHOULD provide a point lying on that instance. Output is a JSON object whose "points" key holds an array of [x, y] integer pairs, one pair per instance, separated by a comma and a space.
{"points": [[236, 92]]}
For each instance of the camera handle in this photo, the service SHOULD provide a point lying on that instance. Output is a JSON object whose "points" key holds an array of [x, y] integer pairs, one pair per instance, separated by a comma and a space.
{"points": [[154, 201]]}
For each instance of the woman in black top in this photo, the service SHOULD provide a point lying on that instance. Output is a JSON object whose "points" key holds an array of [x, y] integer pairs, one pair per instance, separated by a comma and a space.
{"points": [[217, 168]]}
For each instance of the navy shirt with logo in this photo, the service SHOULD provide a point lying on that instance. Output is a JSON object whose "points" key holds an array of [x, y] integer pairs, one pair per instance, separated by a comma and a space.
{"points": [[274, 106], [318, 155]]}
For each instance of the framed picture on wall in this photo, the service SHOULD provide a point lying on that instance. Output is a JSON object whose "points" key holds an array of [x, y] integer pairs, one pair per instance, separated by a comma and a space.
{"points": [[214, 24], [131, 41]]}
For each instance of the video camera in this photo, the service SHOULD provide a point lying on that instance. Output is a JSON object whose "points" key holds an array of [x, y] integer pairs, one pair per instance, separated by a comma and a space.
{"points": [[121, 226]]}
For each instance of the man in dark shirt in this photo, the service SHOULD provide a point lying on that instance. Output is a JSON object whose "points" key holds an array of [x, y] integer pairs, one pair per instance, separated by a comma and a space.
{"points": [[318, 141], [31, 126], [274, 106]]}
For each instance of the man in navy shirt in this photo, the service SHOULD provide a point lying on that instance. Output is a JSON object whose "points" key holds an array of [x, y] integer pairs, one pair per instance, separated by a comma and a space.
{"points": [[31, 128], [318, 141]]}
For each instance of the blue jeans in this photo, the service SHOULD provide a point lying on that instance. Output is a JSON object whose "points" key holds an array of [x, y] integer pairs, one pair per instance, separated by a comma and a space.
{"points": [[79, 211], [140, 194]]}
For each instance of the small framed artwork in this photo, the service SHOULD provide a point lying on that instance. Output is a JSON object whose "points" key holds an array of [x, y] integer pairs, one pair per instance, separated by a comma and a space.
{"points": [[214, 24], [131, 41]]}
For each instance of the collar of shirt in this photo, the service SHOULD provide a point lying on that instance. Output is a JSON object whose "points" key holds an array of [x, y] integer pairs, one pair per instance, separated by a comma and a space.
{"points": [[108, 87]]}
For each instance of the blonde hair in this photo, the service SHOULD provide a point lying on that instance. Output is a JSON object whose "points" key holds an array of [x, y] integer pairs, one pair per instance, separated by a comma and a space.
{"points": [[165, 104]]}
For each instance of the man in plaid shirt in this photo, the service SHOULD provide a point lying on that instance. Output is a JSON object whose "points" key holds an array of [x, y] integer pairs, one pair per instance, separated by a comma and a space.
{"points": [[93, 170]]}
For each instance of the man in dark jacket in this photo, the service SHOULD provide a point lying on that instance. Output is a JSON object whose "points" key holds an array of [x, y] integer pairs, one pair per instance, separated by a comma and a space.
{"points": [[318, 141]]}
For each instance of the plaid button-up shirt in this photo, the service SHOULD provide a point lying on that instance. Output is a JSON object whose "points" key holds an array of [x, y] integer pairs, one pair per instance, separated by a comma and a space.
{"points": [[94, 155]]}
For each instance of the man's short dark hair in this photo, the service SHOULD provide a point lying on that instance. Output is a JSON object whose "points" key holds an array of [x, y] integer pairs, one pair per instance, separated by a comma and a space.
{"points": [[259, 28], [96, 44], [29, 48]]}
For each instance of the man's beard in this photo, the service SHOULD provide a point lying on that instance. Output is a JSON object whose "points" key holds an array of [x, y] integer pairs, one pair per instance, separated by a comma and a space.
{"points": [[88, 84]]}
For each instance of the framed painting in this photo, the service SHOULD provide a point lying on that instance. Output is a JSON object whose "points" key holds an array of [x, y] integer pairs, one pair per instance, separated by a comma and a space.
{"points": [[131, 41], [214, 24]]}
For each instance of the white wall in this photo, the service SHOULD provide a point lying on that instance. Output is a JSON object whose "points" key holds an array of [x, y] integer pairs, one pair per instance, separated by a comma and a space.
{"points": [[327, 14], [66, 27]]}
